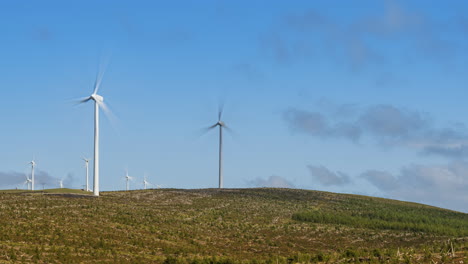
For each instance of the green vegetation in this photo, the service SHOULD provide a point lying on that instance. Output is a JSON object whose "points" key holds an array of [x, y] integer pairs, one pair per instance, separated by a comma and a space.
{"points": [[386, 214], [224, 226]]}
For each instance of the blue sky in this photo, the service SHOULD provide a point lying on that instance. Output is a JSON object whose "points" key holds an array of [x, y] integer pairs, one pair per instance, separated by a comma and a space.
{"points": [[363, 97]]}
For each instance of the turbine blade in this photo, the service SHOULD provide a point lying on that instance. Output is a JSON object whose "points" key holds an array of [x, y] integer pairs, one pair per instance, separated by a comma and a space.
{"points": [[231, 132], [82, 100], [229, 129], [205, 130], [220, 110], [100, 74], [98, 80], [112, 118]]}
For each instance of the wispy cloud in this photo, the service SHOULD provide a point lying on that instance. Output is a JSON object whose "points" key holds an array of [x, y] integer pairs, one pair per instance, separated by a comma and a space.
{"points": [[248, 71], [43, 34], [272, 181], [438, 185], [326, 177], [381, 179], [12, 178], [387, 125], [18, 179], [361, 41]]}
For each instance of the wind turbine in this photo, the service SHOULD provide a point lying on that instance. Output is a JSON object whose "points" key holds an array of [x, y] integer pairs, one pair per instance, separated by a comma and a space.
{"points": [[27, 182], [221, 125], [145, 182], [61, 183], [87, 173], [98, 103], [127, 178], [33, 164]]}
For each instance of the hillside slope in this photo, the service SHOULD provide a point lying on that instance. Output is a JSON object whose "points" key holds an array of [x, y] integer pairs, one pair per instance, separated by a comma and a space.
{"points": [[225, 226]]}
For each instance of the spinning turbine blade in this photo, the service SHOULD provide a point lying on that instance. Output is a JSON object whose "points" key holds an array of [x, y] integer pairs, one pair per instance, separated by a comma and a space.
{"points": [[81, 100], [105, 108], [205, 130], [231, 132], [98, 81], [100, 74], [220, 111], [109, 114], [211, 127]]}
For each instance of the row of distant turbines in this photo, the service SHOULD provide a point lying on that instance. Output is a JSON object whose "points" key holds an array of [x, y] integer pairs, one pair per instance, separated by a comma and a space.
{"points": [[99, 104], [30, 182]]}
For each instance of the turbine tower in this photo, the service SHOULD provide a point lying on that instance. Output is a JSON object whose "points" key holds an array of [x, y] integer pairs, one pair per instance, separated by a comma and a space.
{"points": [[221, 125], [87, 173], [98, 103], [61, 183], [33, 164]]}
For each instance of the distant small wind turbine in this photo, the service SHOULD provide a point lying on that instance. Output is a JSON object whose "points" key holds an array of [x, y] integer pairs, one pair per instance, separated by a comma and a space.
{"points": [[98, 103], [128, 178], [145, 182], [221, 125], [87, 173], [27, 182], [33, 164], [61, 183]]}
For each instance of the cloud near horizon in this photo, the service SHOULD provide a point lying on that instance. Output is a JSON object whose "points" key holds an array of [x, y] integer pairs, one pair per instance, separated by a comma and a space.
{"points": [[439, 185], [14, 179], [272, 181], [386, 125], [328, 178]]}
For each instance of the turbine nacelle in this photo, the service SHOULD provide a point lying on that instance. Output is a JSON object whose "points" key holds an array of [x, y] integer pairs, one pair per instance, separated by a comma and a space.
{"points": [[128, 177], [97, 98]]}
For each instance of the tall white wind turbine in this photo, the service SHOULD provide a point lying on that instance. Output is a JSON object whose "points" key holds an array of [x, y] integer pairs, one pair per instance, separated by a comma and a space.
{"points": [[87, 173], [33, 164], [61, 183], [221, 126], [98, 103]]}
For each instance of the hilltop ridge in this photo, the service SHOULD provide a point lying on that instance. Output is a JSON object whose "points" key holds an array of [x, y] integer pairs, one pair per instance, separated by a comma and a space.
{"points": [[228, 225]]}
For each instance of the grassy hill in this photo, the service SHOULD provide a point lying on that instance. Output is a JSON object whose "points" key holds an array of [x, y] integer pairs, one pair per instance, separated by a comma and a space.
{"points": [[225, 226]]}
